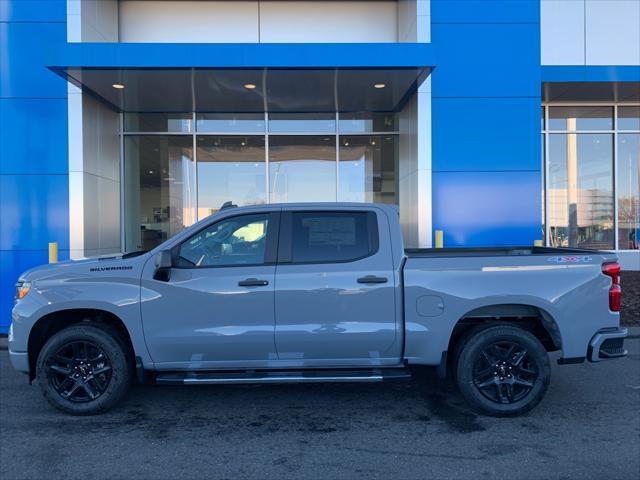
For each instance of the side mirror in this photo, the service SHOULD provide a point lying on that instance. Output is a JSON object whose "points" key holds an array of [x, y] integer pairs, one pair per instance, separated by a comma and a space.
{"points": [[164, 262]]}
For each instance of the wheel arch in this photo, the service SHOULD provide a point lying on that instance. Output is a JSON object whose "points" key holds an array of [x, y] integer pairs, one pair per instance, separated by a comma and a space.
{"points": [[532, 318], [53, 322]]}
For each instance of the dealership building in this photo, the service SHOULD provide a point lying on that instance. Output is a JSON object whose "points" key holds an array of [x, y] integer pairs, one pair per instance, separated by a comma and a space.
{"points": [[497, 122]]}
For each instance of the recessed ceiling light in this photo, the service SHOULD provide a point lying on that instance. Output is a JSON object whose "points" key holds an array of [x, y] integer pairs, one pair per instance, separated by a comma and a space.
{"points": [[380, 85], [118, 86], [249, 86]]}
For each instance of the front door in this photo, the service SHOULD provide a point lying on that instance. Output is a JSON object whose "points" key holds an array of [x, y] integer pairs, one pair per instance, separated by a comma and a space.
{"points": [[217, 307], [335, 295]]}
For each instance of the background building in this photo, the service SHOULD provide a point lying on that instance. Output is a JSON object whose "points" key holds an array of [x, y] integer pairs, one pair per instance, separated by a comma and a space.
{"points": [[500, 122]]}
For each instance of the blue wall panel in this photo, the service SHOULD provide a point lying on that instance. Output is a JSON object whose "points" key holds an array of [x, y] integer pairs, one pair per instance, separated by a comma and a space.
{"points": [[485, 11], [34, 181], [591, 73], [23, 72], [486, 60], [33, 135], [486, 155], [33, 10], [35, 211], [487, 208], [481, 134]]}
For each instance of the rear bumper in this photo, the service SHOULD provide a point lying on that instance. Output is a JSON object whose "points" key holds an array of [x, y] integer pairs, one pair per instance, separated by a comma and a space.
{"points": [[606, 344]]}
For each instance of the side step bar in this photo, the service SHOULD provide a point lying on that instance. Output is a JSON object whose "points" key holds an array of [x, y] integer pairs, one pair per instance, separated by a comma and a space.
{"points": [[285, 376]]}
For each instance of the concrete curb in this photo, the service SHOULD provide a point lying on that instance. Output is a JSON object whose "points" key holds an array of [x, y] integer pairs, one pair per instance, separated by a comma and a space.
{"points": [[634, 332]]}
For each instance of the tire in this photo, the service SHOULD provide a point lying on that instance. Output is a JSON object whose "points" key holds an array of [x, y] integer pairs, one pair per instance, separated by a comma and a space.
{"points": [[84, 369], [502, 370]]}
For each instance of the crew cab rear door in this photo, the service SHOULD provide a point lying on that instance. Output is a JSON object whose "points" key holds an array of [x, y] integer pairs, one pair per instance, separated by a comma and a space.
{"points": [[335, 288]]}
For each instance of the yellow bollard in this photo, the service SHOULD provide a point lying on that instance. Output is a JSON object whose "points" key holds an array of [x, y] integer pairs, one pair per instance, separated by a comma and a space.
{"points": [[53, 252], [537, 243], [439, 238]]}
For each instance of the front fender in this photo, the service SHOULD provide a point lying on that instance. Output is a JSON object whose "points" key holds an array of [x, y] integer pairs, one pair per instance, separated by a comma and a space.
{"points": [[121, 299]]}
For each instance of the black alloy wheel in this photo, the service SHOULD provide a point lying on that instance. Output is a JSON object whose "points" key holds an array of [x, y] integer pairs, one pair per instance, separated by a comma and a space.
{"points": [[502, 369], [504, 372], [85, 368], [80, 371]]}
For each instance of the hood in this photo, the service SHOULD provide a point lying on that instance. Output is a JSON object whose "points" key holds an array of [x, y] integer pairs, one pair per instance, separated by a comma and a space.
{"points": [[112, 263]]}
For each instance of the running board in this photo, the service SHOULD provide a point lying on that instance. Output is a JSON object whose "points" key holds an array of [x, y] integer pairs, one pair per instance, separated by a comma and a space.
{"points": [[287, 376]]}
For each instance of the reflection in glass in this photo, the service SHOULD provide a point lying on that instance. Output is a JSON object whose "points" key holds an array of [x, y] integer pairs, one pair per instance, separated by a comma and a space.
{"points": [[628, 191], [230, 168], [302, 122], [302, 168], [581, 190], [368, 169], [239, 240], [367, 122], [230, 122], [159, 188], [580, 118], [158, 122], [629, 118]]}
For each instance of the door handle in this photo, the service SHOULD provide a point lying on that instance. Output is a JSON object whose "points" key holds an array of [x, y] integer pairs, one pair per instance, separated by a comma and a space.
{"points": [[372, 279], [253, 282]]}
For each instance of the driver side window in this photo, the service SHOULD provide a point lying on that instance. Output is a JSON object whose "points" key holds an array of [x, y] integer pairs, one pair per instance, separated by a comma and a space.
{"points": [[238, 240]]}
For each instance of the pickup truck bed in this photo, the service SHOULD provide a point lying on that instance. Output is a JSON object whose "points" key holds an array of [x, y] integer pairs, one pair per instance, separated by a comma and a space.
{"points": [[496, 251]]}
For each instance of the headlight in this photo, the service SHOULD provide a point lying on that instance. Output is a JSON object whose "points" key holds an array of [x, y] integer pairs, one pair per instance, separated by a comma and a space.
{"points": [[22, 288]]}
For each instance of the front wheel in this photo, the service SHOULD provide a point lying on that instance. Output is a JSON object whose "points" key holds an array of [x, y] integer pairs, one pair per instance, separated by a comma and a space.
{"points": [[84, 369], [503, 370]]}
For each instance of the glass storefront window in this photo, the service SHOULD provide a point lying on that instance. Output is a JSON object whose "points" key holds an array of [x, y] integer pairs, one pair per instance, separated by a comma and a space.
{"points": [[168, 186], [159, 188], [629, 118], [302, 168], [580, 118], [230, 122], [368, 169], [158, 122], [230, 168], [628, 191], [302, 122], [366, 122], [580, 190]]}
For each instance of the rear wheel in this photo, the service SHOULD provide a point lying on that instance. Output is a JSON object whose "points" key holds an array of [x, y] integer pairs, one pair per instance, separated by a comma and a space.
{"points": [[502, 370], [84, 369]]}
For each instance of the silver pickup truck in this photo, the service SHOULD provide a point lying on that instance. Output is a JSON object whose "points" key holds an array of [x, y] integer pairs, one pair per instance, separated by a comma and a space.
{"points": [[313, 293]]}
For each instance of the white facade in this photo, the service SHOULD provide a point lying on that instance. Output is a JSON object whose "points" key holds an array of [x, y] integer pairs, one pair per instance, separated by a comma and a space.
{"points": [[590, 32]]}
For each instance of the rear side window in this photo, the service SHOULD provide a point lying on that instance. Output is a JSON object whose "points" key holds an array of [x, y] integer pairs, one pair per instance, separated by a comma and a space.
{"points": [[325, 237]]}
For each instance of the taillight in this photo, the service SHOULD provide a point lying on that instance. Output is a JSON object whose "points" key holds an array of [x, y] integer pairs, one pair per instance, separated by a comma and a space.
{"points": [[615, 292]]}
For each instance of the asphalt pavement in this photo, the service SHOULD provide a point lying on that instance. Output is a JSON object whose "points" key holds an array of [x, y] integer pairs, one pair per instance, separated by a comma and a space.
{"points": [[587, 427]]}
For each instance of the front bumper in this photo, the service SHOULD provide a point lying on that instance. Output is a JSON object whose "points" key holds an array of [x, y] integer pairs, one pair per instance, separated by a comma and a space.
{"points": [[19, 361], [607, 343]]}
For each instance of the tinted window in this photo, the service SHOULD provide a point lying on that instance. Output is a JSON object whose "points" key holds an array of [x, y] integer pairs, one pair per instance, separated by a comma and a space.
{"points": [[330, 237], [235, 241]]}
